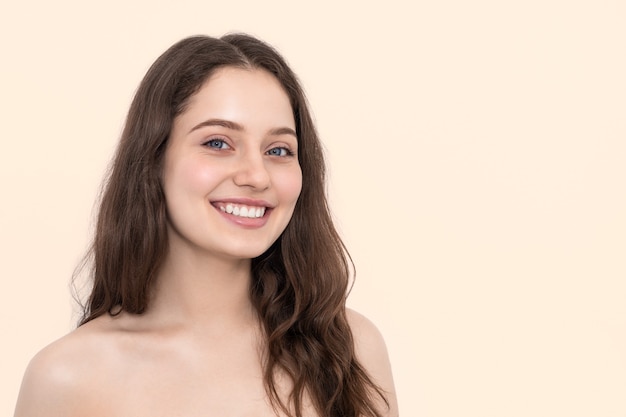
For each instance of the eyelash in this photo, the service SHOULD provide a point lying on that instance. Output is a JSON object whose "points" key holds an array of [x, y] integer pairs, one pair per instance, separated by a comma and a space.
{"points": [[287, 152]]}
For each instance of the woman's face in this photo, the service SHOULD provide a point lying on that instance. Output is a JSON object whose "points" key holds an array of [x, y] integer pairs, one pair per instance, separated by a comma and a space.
{"points": [[231, 175]]}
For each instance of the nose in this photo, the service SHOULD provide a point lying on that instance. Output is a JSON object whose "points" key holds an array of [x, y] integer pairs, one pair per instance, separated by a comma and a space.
{"points": [[252, 172]]}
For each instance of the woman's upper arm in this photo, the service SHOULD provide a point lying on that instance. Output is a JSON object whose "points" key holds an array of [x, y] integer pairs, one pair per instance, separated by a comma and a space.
{"points": [[372, 353]]}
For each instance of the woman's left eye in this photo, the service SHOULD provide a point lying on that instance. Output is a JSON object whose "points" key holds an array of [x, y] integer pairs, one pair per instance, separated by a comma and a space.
{"points": [[279, 151]]}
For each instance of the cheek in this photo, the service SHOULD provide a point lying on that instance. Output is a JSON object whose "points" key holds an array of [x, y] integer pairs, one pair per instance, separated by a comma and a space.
{"points": [[289, 185], [188, 179], [196, 175]]}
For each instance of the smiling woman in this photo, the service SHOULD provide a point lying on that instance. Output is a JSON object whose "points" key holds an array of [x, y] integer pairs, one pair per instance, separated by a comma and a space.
{"points": [[219, 280]]}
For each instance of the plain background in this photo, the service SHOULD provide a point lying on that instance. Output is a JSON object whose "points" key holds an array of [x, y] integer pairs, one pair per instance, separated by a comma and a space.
{"points": [[477, 172]]}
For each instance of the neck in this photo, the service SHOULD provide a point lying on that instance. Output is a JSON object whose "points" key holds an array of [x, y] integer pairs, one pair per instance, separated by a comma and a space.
{"points": [[199, 289]]}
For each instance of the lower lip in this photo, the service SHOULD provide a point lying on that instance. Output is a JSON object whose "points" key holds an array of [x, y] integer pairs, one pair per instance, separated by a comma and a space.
{"points": [[246, 222]]}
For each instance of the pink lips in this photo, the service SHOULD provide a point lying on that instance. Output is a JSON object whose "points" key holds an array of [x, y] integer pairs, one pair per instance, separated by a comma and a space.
{"points": [[243, 200], [245, 222]]}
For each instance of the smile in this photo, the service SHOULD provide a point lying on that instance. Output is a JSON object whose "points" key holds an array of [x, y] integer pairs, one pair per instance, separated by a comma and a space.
{"points": [[241, 210]]}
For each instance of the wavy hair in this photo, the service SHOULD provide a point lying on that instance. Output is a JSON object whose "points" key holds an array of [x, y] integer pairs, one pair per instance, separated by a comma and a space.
{"points": [[299, 285]]}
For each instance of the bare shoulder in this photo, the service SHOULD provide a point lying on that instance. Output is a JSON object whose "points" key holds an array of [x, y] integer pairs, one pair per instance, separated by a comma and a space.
{"points": [[61, 374], [369, 343], [371, 351]]}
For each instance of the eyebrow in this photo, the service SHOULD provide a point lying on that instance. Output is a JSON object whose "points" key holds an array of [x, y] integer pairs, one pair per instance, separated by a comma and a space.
{"points": [[236, 126]]}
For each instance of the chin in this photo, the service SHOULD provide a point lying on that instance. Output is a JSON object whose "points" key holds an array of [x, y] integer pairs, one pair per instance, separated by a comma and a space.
{"points": [[247, 251]]}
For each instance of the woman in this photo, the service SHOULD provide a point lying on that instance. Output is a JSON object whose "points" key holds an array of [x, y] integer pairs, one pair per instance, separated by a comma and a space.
{"points": [[219, 280]]}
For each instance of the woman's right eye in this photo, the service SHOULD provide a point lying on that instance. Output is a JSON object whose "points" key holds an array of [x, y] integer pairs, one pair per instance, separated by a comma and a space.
{"points": [[217, 144]]}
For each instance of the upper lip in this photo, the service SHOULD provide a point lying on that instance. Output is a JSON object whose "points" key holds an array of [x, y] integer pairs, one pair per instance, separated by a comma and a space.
{"points": [[244, 200]]}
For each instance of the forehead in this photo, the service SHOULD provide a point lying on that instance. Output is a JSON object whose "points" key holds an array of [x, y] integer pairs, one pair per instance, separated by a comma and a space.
{"points": [[245, 96]]}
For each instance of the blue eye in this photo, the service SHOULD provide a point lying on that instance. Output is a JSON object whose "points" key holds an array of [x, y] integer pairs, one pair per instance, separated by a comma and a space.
{"points": [[280, 151], [217, 144]]}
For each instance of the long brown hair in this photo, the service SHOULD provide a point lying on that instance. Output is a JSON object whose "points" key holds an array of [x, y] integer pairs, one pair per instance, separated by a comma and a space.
{"points": [[299, 285]]}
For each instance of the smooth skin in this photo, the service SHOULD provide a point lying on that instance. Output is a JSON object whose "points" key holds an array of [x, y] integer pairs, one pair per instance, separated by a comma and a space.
{"points": [[197, 350]]}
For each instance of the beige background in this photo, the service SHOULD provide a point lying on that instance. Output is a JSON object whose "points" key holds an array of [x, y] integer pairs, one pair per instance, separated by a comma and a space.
{"points": [[477, 173]]}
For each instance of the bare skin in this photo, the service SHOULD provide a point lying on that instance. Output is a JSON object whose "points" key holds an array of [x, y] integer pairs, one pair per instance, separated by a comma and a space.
{"points": [[127, 366], [197, 350]]}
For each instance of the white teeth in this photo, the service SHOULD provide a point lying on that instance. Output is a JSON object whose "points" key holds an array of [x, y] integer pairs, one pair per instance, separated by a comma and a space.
{"points": [[243, 211]]}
